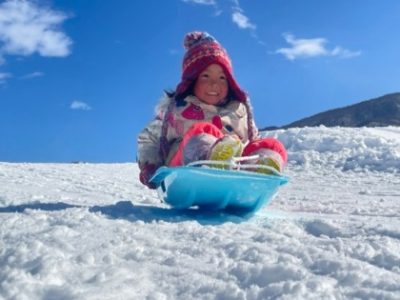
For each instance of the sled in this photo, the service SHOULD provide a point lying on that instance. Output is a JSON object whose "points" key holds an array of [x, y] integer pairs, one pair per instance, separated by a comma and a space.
{"points": [[218, 185]]}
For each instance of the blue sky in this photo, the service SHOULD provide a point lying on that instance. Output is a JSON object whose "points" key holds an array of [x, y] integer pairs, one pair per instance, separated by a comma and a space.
{"points": [[80, 79]]}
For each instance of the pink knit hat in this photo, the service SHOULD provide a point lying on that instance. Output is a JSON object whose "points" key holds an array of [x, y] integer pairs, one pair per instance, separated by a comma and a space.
{"points": [[203, 50]]}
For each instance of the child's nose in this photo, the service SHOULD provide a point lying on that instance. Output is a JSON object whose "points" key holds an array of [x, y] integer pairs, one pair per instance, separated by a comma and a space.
{"points": [[214, 82]]}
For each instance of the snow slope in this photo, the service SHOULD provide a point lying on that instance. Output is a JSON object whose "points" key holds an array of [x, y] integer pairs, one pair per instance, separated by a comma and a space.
{"points": [[92, 231]]}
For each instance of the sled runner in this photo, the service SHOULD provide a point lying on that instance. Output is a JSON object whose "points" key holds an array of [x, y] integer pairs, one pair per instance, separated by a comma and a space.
{"points": [[230, 187]]}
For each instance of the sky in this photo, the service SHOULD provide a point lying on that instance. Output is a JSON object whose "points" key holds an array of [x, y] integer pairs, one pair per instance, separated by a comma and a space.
{"points": [[80, 79]]}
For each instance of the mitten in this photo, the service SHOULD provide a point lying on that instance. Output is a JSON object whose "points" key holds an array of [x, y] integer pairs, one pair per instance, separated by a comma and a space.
{"points": [[147, 171]]}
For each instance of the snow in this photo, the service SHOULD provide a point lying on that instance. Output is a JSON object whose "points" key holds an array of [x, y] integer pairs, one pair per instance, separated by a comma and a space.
{"points": [[92, 231]]}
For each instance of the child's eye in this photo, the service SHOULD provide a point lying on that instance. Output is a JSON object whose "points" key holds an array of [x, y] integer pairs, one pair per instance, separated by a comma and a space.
{"points": [[204, 75], [222, 78]]}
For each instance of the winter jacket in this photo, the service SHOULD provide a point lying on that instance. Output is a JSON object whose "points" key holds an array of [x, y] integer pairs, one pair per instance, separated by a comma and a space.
{"points": [[179, 115]]}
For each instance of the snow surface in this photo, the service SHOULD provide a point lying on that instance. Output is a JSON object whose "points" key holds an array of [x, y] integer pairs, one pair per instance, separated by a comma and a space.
{"points": [[92, 231]]}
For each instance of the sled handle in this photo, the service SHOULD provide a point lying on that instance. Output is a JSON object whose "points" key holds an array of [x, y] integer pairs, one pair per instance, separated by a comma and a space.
{"points": [[159, 176], [233, 164]]}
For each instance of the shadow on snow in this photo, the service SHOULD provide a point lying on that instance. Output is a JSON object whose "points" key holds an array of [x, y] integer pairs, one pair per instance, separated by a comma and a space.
{"points": [[128, 211]]}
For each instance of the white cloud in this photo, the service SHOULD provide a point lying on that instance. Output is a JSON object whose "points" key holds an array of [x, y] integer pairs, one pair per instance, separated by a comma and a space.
{"points": [[32, 75], [241, 20], [3, 77], [303, 47], [307, 48], [345, 53], [238, 16], [79, 105], [26, 28], [202, 2], [212, 3]]}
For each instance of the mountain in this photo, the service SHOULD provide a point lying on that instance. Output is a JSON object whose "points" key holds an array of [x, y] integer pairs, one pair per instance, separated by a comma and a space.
{"points": [[378, 112]]}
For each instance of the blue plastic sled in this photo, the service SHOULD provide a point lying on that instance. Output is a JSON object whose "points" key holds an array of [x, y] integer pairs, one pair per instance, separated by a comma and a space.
{"points": [[233, 191]]}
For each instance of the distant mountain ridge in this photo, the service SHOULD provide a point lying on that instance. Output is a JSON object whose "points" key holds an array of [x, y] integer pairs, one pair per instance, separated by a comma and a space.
{"points": [[377, 112]]}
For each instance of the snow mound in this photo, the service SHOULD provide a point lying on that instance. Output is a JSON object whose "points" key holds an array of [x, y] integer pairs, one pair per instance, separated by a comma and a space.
{"points": [[349, 149]]}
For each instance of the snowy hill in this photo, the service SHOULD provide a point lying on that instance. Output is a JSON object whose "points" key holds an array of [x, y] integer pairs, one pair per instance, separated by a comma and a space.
{"points": [[92, 231]]}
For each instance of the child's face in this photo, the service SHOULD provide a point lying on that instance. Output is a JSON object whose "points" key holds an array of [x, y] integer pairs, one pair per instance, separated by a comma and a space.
{"points": [[212, 85]]}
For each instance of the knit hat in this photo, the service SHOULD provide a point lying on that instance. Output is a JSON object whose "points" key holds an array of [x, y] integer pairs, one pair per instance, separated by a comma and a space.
{"points": [[203, 50]]}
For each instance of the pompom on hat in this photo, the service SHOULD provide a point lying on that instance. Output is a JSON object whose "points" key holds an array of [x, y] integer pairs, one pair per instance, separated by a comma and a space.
{"points": [[203, 50]]}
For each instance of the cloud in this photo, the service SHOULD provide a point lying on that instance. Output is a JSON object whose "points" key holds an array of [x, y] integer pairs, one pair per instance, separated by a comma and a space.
{"points": [[79, 105], [3, 77], [344, 53], [303, 47], [26, 28], [32, 75], [202, 2], [241, 20], [307, 48], [212, 3], [238, 16]]}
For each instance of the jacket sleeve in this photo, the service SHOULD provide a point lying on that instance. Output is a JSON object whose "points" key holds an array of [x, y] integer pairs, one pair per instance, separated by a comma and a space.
{"points": [[149, 145], [254, 129]]}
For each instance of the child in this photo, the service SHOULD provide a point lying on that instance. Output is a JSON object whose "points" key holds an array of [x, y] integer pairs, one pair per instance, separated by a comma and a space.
{"points": [[207, 117]]}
